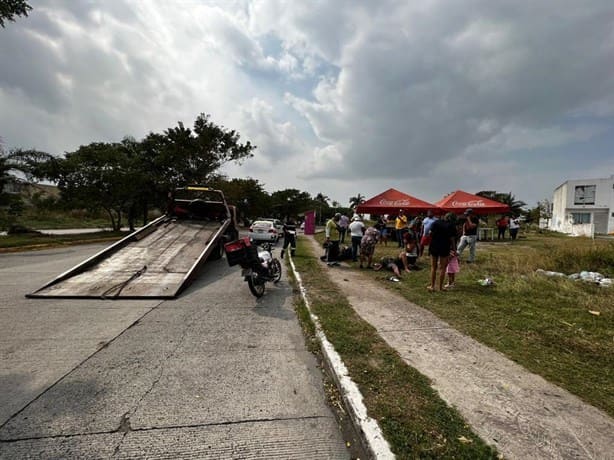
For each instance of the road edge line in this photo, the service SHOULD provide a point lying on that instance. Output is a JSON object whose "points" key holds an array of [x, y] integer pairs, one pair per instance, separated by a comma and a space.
{"points": [[373, 438]]}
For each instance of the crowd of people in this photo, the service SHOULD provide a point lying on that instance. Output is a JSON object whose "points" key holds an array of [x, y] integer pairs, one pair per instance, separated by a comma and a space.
{"points": [[444, 239]]}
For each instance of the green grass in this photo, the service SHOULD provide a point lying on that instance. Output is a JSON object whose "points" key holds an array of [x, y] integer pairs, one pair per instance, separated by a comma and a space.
{"points": [[31, 241], [414, 419], [540, 322], [41, 219]]}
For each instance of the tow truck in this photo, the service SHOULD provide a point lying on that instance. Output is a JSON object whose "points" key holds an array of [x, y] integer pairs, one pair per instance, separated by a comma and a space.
{"points": [[158, 260]]}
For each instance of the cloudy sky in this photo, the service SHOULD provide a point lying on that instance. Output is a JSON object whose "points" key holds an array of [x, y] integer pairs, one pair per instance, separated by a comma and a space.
{"points": [[340, 96]]}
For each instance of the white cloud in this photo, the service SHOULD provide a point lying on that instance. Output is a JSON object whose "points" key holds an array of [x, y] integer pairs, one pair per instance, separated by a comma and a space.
{"points": [[344, 96]]}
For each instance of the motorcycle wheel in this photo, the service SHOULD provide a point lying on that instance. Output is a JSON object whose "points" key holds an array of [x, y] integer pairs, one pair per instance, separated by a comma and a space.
{"points": [[276, 270], [256, 288]]}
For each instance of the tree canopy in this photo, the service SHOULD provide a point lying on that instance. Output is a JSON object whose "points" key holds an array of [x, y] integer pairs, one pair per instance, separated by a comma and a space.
{"points": [[11, 8], [516, 206], [121, 176]]}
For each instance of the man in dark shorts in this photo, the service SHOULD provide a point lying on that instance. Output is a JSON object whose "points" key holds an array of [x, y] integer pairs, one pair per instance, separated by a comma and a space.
{"points": [[289, 237], [443, 242]]}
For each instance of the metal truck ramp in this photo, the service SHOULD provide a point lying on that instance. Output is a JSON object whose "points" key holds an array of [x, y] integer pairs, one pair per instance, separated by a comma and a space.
{"points": [[156, 261]]}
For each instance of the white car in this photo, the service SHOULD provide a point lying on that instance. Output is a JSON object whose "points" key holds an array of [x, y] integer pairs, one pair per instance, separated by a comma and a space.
{"points": [[263, 231], [278, 224]]}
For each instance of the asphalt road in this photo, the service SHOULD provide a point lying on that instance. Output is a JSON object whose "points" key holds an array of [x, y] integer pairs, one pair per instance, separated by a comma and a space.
{"points": [[213, 374]]}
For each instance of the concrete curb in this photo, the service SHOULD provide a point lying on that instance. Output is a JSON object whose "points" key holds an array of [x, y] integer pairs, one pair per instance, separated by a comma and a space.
{"points": [[373, 439]]}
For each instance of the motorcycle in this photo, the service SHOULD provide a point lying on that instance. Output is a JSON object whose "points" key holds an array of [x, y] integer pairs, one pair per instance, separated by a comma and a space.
{"points": [[258, 265]]}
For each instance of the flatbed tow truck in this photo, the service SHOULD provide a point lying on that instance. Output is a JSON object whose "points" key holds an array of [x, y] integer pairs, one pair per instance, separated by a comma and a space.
{"points": [[158, 260]]}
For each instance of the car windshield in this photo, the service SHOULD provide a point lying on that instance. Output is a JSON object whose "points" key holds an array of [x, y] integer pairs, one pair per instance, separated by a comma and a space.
{"points": [[201, 193], [262, 223]]}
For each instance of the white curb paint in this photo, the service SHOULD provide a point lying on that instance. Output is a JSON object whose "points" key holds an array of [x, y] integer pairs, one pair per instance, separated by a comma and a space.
{"points": [[376, 443]]}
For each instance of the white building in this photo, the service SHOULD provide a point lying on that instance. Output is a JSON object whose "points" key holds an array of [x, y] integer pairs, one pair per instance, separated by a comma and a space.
{"points": [[584, 206]]}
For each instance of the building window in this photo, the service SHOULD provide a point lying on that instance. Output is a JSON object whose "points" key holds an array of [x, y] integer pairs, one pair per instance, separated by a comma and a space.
{"points": [[584, 194], [581, 217]]}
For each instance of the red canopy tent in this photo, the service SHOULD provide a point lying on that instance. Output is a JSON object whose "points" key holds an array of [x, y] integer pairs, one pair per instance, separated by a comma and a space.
{"points": [[459, 201], [391, 201]]}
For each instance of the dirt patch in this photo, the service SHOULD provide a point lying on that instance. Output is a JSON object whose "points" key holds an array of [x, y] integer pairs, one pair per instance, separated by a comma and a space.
{"points": [[520, 413]]}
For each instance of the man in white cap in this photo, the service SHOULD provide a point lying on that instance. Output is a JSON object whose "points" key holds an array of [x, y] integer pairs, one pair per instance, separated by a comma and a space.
{"points": [[470, 236], [357, 229]]}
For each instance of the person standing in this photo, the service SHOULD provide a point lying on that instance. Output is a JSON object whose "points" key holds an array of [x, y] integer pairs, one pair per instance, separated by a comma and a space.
{"points": [[502, 225], [470, 235], [357, 230], [452, 269], [383, 231], [400, 225], [344, 222], [289, 237], [514, 227], [333, 235], [425, 239], [367, 246], [443, 243]]}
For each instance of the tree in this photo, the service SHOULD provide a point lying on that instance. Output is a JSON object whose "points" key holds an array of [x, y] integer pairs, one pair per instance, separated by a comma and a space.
{"points": [[545, 210], [322, 199], [11, 8], [356, 201], [11, 204], [101, 175], [129, 176], [516, 206], [35, 165], [182, 156], [290, 202], [5, 178]]}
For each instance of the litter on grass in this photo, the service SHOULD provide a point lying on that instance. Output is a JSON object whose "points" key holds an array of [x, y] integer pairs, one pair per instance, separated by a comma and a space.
{"points": [[589, 277], [487, 282]]}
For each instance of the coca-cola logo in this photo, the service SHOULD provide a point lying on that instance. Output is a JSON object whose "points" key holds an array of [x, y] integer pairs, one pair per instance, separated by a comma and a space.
{"points": [[469, 204], [397, 203]]}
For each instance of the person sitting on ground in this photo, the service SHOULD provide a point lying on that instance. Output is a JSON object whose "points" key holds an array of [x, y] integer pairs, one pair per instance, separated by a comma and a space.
{"points": [[409, 255], [367, 246]]}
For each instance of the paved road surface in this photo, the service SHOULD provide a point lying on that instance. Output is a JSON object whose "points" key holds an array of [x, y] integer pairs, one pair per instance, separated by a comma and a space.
{"points": [[213, 374]]}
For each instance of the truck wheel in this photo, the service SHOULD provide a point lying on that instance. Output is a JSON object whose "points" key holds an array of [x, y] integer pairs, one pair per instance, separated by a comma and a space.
{"points": [[256, 287], [218, 251]]}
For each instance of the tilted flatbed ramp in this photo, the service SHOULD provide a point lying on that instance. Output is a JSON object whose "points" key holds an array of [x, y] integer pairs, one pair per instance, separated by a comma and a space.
{"points": [[156, 261]]}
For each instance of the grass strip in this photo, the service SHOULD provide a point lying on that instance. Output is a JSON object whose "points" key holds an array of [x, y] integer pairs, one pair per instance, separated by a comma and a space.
{"points": [[414, 419], [33, 241]]}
